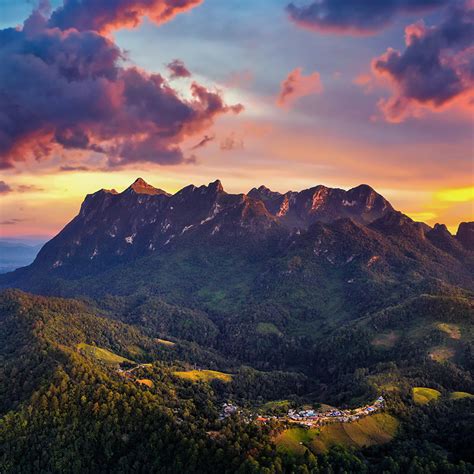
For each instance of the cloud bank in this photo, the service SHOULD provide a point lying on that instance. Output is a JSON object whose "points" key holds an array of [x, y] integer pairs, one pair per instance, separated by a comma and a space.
{"points": [[107, 16], [64, 86], [355, 16]]}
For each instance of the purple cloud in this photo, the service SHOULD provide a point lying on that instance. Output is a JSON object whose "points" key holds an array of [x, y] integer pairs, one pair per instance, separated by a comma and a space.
{"points": [[110, 15], [178, 69], [69, 90], [436, 68], [355, 16]]}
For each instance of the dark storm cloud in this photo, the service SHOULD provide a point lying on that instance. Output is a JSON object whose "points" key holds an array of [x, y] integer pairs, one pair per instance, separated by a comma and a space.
{"points": [[69, 90], [436, 68], [355, 16]]}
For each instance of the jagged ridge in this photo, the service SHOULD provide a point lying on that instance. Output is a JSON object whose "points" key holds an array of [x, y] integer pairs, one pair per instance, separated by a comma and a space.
{"points": [[112, 227]]}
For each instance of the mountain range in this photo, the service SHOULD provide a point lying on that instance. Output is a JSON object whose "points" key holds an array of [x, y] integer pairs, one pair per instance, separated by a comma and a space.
{"points": [[318, 296], [113, 227]]}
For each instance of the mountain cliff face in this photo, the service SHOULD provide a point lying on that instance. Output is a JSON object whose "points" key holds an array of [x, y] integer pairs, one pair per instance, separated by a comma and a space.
{"points": [[465, 235], [142, 219]]}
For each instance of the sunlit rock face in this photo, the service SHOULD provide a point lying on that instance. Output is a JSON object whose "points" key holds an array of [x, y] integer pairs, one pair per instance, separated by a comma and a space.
{"points": [[323, 204]]}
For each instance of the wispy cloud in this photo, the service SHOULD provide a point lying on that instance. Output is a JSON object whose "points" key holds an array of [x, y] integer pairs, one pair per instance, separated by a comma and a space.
{"points": [[296, 85], [203, 142]]}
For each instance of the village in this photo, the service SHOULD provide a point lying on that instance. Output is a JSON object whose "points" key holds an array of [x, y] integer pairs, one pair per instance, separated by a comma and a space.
{"points": [[310, 418], [305, 417]]}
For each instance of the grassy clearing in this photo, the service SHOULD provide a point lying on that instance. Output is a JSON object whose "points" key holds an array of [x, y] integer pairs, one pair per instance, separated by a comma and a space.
{"points": [[104, 355], [424, 395], [386, 340], [460, 395], [441, 353], [452, 330], [377, 429], [146, 382], [294, 440], [203, 375], [165, 342], [277, 406], [268, 328]]}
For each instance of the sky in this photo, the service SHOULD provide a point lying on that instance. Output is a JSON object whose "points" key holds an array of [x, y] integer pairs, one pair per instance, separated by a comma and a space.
{"points": [[290, 95]]}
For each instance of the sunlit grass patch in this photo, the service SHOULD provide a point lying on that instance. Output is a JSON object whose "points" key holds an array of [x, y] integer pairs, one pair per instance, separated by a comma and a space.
{"points": [[441, 353], [460, 395], [377, 429], [104, 355], [424, 395], [165, 342], [203, 375], [452, 330]]}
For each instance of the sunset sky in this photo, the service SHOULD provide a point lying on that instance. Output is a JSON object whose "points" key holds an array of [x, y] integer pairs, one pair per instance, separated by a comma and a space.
{"points": [[95, 94]]}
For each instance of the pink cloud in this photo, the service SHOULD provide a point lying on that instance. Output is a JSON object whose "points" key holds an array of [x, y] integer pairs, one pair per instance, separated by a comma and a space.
{"points": [[296, 85], [107, 16]]}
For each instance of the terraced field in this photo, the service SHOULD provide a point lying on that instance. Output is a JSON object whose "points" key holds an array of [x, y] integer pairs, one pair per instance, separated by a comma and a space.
{"points": [[377, 429]]}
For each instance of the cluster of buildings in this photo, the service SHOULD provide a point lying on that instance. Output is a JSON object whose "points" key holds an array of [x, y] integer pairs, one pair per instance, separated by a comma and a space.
{"points": [[312, 418], [228, 409], [308, 418]]}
